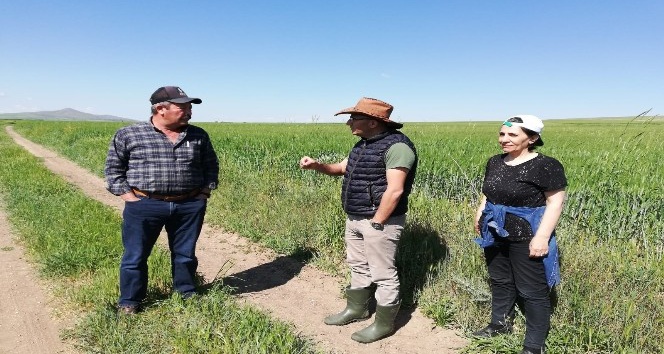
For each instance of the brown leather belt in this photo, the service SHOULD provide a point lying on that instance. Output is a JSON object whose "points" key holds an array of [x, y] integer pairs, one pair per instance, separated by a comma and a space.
{"points": [[167, 197]]}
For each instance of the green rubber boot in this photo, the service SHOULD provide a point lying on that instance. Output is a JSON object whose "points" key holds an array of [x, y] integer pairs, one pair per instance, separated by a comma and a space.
{"points": [[357, 308], [382, 327]]}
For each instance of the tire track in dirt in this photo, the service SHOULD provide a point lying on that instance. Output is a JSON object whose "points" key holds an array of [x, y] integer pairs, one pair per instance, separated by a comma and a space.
{"points": [[283, 287]]}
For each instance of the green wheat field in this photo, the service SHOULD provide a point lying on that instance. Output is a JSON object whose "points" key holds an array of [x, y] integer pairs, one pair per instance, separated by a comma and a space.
{"points": [[611, 299]]}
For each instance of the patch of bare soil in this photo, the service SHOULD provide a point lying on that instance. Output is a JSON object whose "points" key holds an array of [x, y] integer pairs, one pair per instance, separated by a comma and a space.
{"points": [[287, 289], [26, 322]]}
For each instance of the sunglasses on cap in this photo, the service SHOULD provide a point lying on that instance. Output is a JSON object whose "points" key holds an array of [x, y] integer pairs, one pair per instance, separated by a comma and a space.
{"points": [[508, 123]]}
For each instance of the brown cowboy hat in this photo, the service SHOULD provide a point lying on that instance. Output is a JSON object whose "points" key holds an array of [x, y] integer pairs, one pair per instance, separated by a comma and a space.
{"points": [[373, 108]]}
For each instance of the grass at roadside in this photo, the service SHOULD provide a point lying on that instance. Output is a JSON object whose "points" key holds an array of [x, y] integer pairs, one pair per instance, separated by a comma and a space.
{"points": [[611, 234], [75, 242]]}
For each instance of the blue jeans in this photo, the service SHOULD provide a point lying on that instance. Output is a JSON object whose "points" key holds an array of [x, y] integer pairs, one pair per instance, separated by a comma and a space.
{"points": [[514, 274], [142, 222]]}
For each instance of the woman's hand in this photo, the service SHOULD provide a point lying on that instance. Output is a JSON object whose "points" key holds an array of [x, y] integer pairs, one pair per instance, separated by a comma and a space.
{"points": [[539, 247]]}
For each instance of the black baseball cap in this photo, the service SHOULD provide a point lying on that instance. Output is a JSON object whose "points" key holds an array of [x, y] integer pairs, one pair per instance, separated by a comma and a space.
{"points": [[172, 94]]}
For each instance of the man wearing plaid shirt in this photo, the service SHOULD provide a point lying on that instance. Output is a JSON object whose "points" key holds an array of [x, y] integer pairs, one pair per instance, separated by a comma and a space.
{"points": [[164, 170]]}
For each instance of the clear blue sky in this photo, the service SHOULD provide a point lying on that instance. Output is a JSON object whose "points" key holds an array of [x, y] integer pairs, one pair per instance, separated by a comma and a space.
{"points": [[289, 61]]}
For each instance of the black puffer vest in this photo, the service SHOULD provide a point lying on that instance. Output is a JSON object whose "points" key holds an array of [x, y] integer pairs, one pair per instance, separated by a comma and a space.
{"points": [[365, 180]]}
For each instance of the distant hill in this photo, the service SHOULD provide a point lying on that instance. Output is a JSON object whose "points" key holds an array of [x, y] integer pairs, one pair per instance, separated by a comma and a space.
{"points": [[63, 114]]}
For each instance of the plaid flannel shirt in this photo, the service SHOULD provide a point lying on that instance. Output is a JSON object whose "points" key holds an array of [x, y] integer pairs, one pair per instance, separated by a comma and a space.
{"points": [[140, 156]]}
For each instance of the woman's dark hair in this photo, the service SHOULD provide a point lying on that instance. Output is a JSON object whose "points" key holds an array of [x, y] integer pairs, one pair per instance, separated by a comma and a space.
{"points": [[530, 133]]}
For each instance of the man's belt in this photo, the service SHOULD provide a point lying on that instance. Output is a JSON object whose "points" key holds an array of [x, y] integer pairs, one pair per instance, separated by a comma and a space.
{"points": [[167, 197]]}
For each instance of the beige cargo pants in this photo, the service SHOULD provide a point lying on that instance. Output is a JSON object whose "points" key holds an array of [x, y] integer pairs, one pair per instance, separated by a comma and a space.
{"points": [[371, 255]]}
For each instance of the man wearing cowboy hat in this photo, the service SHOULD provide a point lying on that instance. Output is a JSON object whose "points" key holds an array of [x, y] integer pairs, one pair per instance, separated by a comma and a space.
{"points": [[378, 177]]}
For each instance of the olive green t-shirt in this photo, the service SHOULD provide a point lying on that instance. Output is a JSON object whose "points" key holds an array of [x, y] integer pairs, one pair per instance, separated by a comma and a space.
{"points": [[399, 155]]}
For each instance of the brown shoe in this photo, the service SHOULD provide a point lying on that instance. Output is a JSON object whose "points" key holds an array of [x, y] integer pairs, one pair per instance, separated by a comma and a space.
{"points": [[128, 310]]}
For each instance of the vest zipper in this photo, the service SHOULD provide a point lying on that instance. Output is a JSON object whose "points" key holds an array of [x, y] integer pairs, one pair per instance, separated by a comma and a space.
{"points": [[371, 198]]}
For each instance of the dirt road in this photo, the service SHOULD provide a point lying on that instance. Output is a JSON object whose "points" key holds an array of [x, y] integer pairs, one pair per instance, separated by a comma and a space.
{"points": [[27, 324], [287, 289]]}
